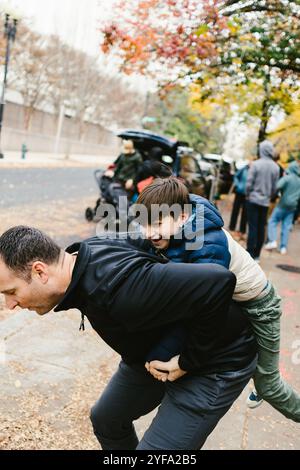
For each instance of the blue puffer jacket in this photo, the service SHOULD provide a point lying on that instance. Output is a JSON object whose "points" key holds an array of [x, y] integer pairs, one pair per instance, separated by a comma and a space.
{"points": [[202, 238], [203, 231]]}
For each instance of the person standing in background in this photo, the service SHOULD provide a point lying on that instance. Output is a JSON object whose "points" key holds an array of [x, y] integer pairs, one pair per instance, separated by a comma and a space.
{"points": [[260, 187], [289, 186], [240, 181]]}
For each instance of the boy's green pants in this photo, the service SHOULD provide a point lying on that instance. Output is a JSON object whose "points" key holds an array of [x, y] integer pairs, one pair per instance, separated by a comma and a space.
{"points": [[264, 315]]}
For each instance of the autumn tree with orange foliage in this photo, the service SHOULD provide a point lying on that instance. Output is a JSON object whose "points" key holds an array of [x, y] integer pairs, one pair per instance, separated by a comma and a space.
{"points": [[224, 46]]}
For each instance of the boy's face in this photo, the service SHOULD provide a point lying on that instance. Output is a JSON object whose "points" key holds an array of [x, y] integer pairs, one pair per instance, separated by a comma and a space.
{"points": [[160, 232]]}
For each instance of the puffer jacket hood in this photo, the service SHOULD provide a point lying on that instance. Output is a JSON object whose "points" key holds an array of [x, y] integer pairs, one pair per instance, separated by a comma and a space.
{"points": [[202, 239], [212, 219], [294, 168], [266, 149]]}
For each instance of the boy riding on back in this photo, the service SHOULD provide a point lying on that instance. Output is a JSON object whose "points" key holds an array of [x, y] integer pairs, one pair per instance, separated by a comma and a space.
{"points": [[195, 234]]}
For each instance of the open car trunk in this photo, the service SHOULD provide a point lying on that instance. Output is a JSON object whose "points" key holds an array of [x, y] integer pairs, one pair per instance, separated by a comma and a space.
{"points": [[151, 145]]}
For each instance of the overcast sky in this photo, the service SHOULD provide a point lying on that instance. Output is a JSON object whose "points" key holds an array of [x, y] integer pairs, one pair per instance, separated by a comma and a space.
{"points": [[77, 21]]}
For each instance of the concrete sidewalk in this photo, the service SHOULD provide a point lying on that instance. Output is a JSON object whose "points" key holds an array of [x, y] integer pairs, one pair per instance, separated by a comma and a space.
{"points": [[40, 160], [51, 375]]}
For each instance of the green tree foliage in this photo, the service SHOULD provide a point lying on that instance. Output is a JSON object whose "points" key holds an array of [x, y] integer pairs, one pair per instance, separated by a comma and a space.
{"points": [[176, 117]]}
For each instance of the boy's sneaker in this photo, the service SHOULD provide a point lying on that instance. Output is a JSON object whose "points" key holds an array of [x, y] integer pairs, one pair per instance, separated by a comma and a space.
{"points": [[283, 251], [271, 246], [254, 400]]}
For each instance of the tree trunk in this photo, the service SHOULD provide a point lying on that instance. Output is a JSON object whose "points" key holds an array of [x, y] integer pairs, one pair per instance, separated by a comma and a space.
{"points": [[265, 114], [28, 112], [81, 129]]}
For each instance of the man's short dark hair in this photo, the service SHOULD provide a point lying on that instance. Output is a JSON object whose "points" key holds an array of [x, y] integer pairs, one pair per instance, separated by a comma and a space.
{"points": [[21, 246], [167, 191]]}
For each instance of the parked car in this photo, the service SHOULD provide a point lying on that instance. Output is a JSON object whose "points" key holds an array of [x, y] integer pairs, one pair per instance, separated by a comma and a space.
{"points": [[225, 170], [206, 167], [182, 159]]}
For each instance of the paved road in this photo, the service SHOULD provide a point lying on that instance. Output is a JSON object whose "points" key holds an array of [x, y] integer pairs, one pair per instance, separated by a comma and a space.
{"points": [[23, 186], [51, 199]]}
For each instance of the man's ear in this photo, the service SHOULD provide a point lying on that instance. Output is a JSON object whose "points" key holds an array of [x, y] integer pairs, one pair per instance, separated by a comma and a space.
{"points": [[40, 270]]}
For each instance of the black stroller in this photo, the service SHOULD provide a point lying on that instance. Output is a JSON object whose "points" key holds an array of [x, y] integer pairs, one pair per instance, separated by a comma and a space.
{"points": [[110, 192]]}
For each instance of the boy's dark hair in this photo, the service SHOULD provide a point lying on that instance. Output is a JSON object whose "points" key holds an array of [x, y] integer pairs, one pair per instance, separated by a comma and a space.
{"points": [[21, 246], [167, 191]]}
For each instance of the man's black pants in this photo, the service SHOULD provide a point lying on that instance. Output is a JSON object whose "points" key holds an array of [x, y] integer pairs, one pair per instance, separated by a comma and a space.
{"points": [[189, 410]]}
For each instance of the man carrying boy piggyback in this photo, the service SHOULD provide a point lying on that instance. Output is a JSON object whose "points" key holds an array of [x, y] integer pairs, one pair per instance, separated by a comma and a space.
{"points": [[171, 236]]}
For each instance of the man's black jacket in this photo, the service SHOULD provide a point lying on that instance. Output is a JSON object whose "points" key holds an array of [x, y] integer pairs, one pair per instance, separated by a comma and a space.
{"points": [[132, 298]]}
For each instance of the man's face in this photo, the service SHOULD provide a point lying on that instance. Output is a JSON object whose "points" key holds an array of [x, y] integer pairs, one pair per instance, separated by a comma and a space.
{"points": [[36, 295], [160, 232]]}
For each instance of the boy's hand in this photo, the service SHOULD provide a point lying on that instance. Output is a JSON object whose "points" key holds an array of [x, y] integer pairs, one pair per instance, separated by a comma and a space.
{"points": [[171, 368]]}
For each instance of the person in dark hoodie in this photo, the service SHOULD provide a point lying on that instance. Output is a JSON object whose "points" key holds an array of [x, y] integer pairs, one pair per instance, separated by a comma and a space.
{"points": [[132, 298], [261, 186]]}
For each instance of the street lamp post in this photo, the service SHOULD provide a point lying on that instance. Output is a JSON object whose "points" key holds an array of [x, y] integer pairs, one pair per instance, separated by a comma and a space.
{"points": [[10, 31]]}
